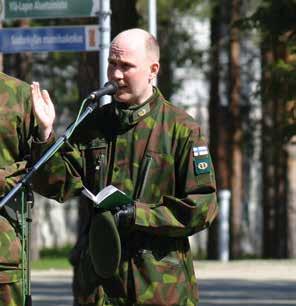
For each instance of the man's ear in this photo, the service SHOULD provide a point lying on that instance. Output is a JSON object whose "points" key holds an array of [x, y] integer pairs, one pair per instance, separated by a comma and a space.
{"points": [[154, 68]]}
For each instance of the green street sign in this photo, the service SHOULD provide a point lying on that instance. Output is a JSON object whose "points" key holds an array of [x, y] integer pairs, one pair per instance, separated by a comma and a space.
{"points": [[35, 9]]}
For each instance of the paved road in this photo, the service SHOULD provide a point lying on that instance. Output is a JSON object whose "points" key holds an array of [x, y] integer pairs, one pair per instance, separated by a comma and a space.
{"points": [[243, 283], [51, 288], [247, 283]]}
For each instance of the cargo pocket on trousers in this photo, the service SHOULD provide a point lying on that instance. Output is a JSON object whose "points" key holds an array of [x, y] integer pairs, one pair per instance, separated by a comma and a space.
{"points": [[10, 250], [158, 281]]}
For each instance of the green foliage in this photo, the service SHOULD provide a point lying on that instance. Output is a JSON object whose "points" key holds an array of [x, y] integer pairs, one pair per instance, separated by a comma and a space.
{"points": [[276, 22], [58, 252], [51, 263], [284, 74], [272, 17], [53, 258], [275, 17]]}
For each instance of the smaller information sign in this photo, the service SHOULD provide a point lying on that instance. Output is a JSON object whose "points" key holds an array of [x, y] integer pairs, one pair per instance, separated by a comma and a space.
{"points": [[48, 39]]}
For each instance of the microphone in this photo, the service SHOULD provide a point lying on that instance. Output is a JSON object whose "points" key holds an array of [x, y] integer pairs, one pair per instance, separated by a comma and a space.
{"points": [[109, 89]]}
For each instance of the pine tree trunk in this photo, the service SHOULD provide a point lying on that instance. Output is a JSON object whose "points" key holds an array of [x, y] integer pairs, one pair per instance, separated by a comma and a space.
{"points": [[124, 16], [218, 118], [1, 55], [236, 131], [274, 157]]}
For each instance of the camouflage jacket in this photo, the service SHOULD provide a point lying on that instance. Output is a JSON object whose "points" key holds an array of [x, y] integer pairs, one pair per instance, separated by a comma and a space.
{"points": [[156, 154], [16, 127]]}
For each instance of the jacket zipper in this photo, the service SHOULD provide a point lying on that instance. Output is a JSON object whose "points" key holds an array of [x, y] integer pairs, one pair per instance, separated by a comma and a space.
{"points": [[144, 171]]}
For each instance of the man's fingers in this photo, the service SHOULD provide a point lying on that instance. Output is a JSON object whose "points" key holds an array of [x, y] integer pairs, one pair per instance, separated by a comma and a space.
{"points": [[35, 91], [36, 88], [47, 100], [46, 97]]}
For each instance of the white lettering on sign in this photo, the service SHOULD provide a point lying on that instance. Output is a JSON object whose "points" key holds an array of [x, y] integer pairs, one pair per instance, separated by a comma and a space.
{"points": [[17, 6], [51, 5], [63, 39], [18, 40], [35, 40]]}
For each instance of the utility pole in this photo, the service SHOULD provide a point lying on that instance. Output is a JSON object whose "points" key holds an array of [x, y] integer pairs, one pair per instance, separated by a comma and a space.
{"points": [[152, 20], [105, 36]]}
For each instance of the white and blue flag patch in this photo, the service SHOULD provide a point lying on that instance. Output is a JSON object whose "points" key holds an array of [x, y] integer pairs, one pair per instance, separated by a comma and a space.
{"points": [[200, 151], [201, 160]]}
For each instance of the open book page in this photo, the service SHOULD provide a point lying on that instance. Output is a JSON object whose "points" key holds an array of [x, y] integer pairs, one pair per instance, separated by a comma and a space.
{"points": [[108, 198]]}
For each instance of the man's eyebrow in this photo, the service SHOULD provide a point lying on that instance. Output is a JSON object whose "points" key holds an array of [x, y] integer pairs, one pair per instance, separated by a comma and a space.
{"points": [[111, 59]]}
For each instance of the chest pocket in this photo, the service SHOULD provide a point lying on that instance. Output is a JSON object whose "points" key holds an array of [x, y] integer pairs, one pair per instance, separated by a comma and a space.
{"points": [[94, 156], [156, 177]]}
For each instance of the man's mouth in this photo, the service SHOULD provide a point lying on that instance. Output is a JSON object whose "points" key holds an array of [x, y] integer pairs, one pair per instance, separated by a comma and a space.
{"points": [[122, 87]]}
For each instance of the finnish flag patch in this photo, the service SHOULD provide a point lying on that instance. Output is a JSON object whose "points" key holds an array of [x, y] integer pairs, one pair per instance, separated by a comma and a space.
{"points": [[200, 151], [201, 160]]}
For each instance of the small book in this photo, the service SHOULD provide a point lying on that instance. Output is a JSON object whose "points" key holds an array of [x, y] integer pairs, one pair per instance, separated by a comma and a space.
{"points": [[108, 198]]}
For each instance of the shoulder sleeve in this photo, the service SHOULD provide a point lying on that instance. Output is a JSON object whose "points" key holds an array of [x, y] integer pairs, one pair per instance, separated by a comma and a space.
{"points": [[194, 205]]}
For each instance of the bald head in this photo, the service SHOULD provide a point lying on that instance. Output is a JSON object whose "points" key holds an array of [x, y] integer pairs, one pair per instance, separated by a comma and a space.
{"points": [[138, 39], [133, 65]]}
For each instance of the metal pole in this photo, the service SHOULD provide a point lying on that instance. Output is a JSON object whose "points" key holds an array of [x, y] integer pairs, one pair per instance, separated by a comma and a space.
{"points": [[152, 20], [224, 204], [105, 36], [29, 203]]}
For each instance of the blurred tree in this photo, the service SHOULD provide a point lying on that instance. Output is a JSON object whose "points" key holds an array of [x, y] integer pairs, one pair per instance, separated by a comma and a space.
{"points": [[276, 20], [218, 112], [124, 16], [1, 55], [236, 131]]}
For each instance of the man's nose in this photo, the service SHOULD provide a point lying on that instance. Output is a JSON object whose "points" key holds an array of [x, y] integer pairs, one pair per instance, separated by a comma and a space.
{"points": [[117, 73]]}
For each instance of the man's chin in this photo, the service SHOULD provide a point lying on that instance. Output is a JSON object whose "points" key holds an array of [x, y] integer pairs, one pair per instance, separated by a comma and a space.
{"points": [[122, 98]]}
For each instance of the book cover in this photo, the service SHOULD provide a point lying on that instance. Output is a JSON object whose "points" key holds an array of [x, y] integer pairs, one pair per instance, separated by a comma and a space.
{"points": [[108, 198]]}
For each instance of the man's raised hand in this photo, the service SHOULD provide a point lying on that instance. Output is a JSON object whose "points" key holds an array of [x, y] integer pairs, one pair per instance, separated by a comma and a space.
{"points": [[43, 110]]}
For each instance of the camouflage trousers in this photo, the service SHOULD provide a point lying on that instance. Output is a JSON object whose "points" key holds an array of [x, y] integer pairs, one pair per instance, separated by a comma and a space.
{"points": [[11, 294], [10, 271], [86, 286], [88, 290]]}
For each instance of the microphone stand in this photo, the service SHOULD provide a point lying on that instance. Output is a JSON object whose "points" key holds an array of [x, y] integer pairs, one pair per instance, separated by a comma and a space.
{"points": [[48, 154], [23, 183]]}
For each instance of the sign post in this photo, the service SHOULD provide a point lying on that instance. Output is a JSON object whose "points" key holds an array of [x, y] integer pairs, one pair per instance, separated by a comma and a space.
{"points": [[105, 33]]}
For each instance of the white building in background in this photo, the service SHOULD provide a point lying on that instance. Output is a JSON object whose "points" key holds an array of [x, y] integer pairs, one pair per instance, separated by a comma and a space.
{"points": [[57, 223], [194, 92]]}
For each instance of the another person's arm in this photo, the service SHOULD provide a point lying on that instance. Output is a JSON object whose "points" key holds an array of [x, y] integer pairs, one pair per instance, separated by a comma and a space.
{"points": [[60, 177], [11, 173]]}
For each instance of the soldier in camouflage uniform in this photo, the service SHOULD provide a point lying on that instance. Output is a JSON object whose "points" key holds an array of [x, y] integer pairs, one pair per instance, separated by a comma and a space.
{"points": [[16, 127], [156, 154]]}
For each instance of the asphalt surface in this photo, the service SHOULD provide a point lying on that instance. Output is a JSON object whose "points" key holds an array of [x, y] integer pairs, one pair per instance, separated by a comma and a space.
{"points": [[247, 283], [239, 283], [51, 288]]}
